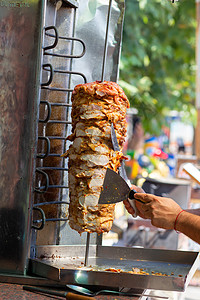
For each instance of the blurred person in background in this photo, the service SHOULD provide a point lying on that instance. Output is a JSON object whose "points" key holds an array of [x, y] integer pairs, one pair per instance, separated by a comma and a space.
{"points": [[181, 145], [134, 147], [136, 140]]}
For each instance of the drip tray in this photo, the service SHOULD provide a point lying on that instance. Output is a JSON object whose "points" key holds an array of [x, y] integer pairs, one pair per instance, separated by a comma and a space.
{"points": [[140, 268]]}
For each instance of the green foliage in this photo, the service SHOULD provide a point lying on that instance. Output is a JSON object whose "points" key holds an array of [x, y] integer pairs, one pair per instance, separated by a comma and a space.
{"points": [[157, 68]]}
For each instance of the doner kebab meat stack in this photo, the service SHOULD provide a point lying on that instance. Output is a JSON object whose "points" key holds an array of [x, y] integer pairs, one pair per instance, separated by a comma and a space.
{"points": [[95, 106]]}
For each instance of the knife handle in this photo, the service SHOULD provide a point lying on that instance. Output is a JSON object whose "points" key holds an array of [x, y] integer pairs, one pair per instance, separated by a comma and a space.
{"points": [[66, 295], [132, 203], [72, 296], [132, 194]]}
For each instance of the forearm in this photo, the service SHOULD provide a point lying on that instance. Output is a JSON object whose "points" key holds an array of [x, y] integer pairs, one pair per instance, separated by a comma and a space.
{"points": [[195, 211], [189, 224]]}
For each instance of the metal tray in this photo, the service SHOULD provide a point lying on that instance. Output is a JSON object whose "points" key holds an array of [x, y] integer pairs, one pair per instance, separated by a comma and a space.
{"points": [[66, 264]]}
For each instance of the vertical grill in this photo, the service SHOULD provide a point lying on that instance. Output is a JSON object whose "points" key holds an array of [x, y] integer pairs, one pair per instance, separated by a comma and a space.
{"points": [[44, 184], [40, 69]]}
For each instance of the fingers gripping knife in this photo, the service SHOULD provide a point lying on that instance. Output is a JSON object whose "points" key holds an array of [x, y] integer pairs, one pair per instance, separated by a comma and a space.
{"points": [[117, 187]]}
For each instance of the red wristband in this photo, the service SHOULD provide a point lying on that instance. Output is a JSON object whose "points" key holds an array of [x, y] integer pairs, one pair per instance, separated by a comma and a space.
{"points": [[177, 219]]}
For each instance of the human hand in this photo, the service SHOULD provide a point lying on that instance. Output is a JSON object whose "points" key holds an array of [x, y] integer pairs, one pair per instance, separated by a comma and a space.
{"points": [[162, 211]]}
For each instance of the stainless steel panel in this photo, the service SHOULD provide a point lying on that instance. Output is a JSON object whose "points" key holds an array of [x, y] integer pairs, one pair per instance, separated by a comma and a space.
{"points": [[21, 26], [91, 26], [64, 263], [29, 280]]}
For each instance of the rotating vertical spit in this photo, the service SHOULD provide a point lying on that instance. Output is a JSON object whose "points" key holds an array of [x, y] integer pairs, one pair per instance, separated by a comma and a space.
{"points": [[102, 79]]}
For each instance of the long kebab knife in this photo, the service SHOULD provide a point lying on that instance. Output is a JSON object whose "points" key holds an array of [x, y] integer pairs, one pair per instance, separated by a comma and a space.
{"points": [[117, 187]]}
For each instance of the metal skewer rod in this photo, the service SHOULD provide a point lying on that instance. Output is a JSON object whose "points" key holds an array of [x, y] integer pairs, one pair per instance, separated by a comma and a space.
{"points": [[106, 41], [87, 249], [102, 79]]}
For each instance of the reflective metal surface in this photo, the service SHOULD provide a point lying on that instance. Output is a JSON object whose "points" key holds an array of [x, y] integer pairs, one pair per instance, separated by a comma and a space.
{"points": [[20, 56], [91, 27], [25, 279], [164, 269]]}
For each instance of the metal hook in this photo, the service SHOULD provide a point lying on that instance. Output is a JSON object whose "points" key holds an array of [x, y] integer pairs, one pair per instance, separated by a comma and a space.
{"points": [[48, 111], [43, 155], [51, 74], [45, 188], [42, 220], [55, 36]]}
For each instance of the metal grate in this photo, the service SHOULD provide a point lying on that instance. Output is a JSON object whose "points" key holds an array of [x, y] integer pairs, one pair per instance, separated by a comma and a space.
{"points": [[43, 171]]}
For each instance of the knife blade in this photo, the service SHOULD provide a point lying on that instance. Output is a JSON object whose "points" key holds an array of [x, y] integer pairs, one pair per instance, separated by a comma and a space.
{"points": [[116, 147], [115, 188], [122, 170]]}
